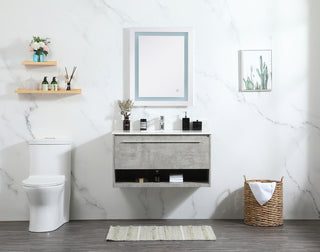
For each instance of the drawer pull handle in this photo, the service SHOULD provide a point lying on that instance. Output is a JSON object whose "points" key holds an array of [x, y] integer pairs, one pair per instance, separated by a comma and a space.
{"points": [[161, 142]]}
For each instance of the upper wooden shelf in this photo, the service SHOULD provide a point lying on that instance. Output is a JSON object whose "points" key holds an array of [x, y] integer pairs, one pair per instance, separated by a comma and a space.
{"points": [[39, 91], [45, 63]]}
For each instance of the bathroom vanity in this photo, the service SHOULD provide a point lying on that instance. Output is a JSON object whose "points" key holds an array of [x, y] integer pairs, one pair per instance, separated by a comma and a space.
{"points": [[143, 158]]}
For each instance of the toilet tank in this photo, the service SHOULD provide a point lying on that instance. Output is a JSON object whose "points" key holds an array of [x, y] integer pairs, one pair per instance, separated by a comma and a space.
{"points": [[50, 157]]}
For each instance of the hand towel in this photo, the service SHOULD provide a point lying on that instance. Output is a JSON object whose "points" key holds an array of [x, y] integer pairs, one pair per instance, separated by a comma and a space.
{"points": [[262, 191]]}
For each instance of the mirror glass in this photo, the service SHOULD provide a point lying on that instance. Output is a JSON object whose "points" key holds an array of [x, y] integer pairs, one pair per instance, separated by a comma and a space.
{"points": [[161, 67]]}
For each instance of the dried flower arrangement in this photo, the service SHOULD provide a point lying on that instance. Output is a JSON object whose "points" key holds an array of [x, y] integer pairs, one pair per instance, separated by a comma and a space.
{"points": [[125, 107]]}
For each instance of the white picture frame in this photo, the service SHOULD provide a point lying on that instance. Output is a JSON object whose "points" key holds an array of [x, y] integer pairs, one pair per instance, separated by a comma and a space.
{"points": [[161, 66], [255, 70]]}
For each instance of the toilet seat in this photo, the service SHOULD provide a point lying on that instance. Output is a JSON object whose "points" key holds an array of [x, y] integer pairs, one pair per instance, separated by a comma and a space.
{"points": [[43, 181]]}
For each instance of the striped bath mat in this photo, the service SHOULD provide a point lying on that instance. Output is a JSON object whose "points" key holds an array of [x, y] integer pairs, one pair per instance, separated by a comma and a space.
{"points": [[160, 233]]}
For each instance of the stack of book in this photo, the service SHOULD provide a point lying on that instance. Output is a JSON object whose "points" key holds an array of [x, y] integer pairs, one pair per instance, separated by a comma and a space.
{"points": [[177, 178]]}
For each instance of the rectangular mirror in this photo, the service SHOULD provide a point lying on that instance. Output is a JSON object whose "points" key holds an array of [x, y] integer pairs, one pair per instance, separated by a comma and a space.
{"points": [[161, 66]]}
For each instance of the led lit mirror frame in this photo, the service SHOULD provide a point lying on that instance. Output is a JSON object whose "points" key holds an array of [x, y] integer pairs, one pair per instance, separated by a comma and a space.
{"points": [[161, 66]]}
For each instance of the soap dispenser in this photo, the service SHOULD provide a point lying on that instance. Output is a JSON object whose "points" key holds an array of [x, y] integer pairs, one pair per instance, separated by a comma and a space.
{"points": [[54, 84], [185, 122], [45, 84]]}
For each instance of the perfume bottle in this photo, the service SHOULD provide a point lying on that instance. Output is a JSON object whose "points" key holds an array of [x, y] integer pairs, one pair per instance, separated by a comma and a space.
{"points": [[185, 122]]}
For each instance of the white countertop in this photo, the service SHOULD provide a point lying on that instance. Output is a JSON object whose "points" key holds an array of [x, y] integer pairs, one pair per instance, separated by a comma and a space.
{"points": [[161, 132]]}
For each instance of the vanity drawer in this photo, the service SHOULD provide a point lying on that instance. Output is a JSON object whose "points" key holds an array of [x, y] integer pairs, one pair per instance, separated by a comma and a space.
{"points": [[162, 152]]}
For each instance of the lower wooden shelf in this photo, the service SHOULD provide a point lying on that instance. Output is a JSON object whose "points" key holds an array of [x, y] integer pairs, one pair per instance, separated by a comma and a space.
{"points": [[161, 184], [39, 91], [191, 178]]}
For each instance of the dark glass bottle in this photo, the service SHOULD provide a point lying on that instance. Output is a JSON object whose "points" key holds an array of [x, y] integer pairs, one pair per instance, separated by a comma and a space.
{"points": [[126, 123]]}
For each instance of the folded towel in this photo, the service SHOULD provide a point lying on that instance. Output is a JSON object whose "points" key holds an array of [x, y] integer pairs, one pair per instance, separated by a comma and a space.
{"points": [[262, 191]]}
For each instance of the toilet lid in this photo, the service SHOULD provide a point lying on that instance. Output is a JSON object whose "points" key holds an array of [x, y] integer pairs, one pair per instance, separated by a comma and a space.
{"points": [[42, 181]]}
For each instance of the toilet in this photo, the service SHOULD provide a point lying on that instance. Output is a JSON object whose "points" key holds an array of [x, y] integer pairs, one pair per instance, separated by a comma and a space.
{"points": [[49, 184]]}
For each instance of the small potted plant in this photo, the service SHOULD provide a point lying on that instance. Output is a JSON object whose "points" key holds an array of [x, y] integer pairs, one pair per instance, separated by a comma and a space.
{"points": [[125, 107], [40, 48]]}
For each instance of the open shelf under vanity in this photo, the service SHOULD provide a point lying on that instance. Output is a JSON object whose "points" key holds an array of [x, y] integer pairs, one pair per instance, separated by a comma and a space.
{"points": [[191, 178]]}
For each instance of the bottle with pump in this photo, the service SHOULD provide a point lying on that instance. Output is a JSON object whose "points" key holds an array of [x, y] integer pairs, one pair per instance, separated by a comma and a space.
{"points": [[54, 84], [185, 122], [45, 84]]}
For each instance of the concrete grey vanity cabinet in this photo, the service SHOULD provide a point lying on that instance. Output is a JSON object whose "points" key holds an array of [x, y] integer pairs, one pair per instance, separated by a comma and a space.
{"points": [[148, 155]]}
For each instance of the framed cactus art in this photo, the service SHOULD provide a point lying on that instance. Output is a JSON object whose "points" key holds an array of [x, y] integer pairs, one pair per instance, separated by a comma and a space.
{"points": [[255, 70]]}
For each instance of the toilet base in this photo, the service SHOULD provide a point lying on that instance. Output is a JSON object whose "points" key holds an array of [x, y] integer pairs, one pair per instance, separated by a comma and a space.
{"points": [[46, 205], [38, 229]]}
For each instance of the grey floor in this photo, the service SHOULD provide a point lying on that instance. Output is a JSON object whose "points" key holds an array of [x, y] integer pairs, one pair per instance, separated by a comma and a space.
{"points": [[232, 235]]}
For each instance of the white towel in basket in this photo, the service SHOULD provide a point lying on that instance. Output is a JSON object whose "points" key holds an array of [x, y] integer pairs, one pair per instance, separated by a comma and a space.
{"points": [[262, 191]]}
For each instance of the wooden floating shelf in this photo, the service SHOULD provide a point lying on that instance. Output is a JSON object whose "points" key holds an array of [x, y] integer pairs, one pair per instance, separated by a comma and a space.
{"points": [[45, 63], [39, 91]]}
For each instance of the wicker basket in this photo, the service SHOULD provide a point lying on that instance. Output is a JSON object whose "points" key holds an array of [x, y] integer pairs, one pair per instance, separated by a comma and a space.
{"points": [[267, 215]]}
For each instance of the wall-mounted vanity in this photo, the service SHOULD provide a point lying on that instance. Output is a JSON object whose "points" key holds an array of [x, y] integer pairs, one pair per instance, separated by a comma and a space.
{"points": [[140, 154]]}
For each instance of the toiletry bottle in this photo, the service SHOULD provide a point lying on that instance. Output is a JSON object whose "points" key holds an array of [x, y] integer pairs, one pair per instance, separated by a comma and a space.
{"points": [[156, 176], [143, 124], [161, 122], [54, 84], [185, 122], [44, 84]]}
